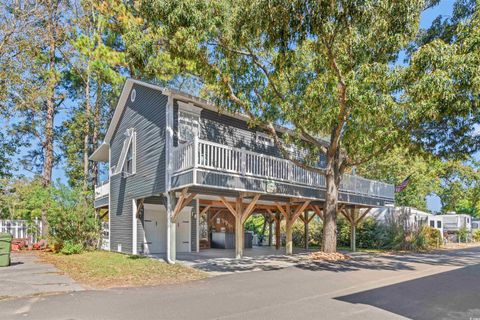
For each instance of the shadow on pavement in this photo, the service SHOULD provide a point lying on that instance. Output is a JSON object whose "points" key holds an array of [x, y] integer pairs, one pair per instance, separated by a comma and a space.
{"points": [[439, 296]]}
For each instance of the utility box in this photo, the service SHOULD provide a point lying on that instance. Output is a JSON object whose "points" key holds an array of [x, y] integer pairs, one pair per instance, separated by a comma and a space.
{"points": [[5, 245]]}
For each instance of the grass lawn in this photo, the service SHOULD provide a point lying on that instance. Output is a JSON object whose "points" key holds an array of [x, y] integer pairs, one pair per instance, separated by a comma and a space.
{"points": [[102, 269]]}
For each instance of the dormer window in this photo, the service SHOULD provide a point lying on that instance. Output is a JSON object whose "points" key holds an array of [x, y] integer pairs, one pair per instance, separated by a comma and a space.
{"points": [[188, 121], [127, 162]]}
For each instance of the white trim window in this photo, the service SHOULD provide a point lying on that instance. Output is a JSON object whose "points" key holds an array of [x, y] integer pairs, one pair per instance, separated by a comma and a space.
{"points": [[264, 139], [127, 163], [188, 121]]}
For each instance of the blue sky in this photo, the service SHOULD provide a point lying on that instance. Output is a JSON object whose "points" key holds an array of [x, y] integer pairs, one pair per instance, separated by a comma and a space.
{"points": [[444, 8]]}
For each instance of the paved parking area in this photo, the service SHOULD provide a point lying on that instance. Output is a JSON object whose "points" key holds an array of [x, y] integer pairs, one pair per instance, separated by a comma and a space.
{"points": [[438, 285], [222, 261], [28, 276]]}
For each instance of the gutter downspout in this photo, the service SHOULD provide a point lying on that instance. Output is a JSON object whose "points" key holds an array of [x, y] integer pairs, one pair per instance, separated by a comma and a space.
{"points": [[169, 230]]}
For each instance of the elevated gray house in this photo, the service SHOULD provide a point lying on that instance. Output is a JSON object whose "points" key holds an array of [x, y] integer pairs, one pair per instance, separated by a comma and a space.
{"points": [[185, 175]]}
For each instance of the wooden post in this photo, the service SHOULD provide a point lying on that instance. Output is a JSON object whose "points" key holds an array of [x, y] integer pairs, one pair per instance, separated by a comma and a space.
{"points": [[238, 228], [277, 231], [270, 225], [353, 237], [306, 220], [289, 240]]}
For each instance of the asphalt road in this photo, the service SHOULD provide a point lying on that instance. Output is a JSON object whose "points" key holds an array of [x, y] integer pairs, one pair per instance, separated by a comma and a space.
{"points": [[428, 286]]}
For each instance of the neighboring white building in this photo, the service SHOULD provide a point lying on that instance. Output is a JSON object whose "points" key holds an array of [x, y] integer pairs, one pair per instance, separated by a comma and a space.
{"points": [[412, 218], [452, 222], [475, 224]]}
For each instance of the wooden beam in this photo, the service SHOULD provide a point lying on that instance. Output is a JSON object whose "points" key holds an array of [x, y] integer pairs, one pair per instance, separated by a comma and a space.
{"points": [[214, 215], [318, 211], [228, 206], [282, 211], [103, 215], [302, 218], [362, 216], [250, 208], [139, 207], [299, 210], [346, 215], [311, 217], [205, 209], [182, 202]]}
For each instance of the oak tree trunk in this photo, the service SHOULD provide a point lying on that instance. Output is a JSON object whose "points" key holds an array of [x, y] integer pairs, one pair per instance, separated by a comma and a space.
{"points": [[333, 175]]}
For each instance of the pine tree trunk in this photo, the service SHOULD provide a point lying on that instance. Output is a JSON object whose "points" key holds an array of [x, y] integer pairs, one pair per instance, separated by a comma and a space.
{"points": [[96, 129], [49, 113], [86, 133]]}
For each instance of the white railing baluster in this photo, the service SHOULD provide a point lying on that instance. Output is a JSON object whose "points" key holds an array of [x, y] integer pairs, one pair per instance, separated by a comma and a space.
{"points": [[211, 155]]}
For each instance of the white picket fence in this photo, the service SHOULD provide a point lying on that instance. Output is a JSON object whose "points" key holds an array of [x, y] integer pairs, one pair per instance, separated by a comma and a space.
{"points": [[22, 229]]}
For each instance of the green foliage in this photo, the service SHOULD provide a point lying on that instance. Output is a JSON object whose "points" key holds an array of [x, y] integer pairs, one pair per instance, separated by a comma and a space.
{"points": [[443, 79], [255, 223], [462, 234], [476, 235], [71, 248], [392, 235], [69, 212], [396, 165]]}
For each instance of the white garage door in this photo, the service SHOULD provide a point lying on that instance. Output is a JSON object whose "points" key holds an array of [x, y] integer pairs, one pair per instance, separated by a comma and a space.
{"points": [[183, 230]]}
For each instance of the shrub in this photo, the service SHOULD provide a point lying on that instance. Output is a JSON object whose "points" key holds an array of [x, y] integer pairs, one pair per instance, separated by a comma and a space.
{"points": [[476, 235], [462, 234], [71, 248]]}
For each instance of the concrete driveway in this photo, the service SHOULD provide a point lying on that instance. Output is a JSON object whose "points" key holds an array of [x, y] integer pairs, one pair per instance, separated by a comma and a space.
{"points": [[440, 285], [28, 276]]}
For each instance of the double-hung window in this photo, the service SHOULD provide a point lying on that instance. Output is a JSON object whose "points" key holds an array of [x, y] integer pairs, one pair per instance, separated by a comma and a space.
{"points": [[188, 121]]}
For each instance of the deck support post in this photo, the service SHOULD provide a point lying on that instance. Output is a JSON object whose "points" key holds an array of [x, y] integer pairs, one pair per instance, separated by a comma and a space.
{"points": [[277, 230], [354, 218], [270, 227], [288, 238], [239, 229], [241, 214], [290, 216], [306, 221]]}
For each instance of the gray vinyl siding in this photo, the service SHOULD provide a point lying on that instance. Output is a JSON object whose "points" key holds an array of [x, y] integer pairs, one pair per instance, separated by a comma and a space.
{"points": [[147, 115]]}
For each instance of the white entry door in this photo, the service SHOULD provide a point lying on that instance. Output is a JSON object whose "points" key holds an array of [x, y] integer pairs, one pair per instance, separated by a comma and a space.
{"points": [[155, 222], [183, 230]]}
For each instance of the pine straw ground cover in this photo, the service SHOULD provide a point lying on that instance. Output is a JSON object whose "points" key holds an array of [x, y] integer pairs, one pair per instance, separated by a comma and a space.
{"points": [[336, 256], [102, 269]]}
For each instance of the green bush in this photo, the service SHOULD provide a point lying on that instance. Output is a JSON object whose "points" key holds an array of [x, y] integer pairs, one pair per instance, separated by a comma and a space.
{"points": [[476, 235], [71, 248], [462, 234]]}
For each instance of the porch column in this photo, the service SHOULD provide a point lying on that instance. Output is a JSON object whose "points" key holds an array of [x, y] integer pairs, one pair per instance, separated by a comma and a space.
{"points": [[288, 240], [240, 215], [277, 230], [239, 242], [306, 222], [270, 230], [290, 216]]}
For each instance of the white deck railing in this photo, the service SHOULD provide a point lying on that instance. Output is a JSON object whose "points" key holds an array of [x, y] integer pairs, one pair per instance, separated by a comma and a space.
{"points": [[22, 229], [214, 156], [102, 190]]}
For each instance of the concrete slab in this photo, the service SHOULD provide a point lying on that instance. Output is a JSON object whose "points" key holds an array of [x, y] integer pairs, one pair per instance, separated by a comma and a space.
{"points": [[222, 261], [28, 276]]}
